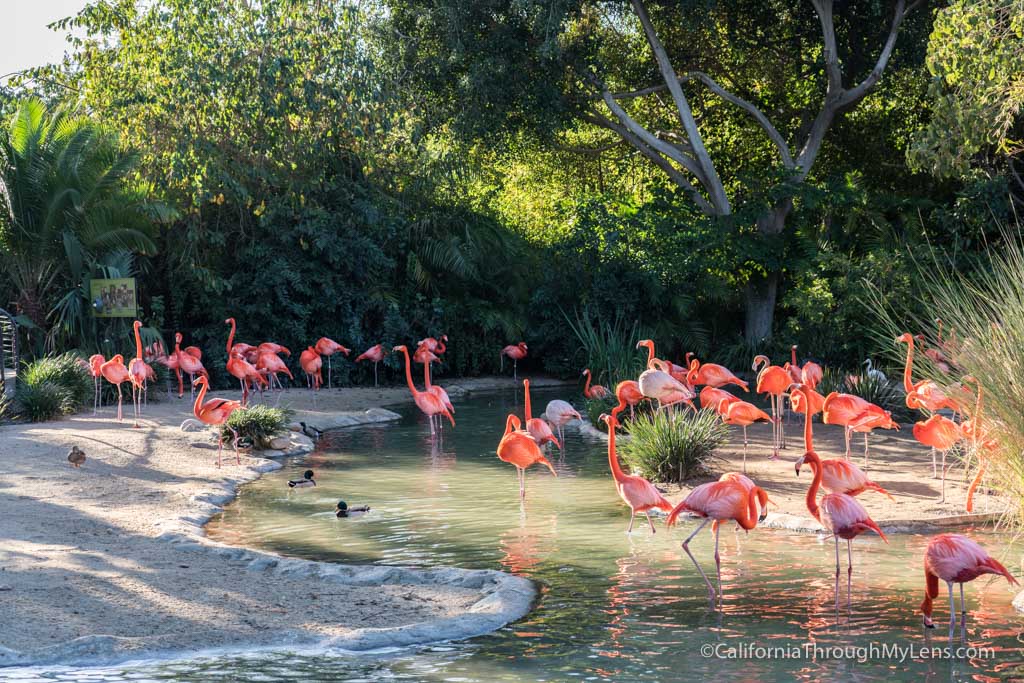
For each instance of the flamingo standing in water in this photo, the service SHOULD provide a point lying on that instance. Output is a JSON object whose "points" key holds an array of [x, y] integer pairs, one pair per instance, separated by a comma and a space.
{"points": [[428, 358], [629, 394], [216, 412], [638, 493], [839, 513], [328, 347], [96, 361], [116, 373], [137, 373], [712, 375], [736, 412], [955, 559], [774, 381], [560, 413], [518, 448], [719, 501], [375, 354], [596, 391], [516, 352], [312, 365], [941, 434], [537, 427], [926, 393], [429, 403]]}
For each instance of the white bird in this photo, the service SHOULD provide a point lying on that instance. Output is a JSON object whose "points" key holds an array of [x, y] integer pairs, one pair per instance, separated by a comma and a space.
{"points": [[874, 373], [560, 413]]}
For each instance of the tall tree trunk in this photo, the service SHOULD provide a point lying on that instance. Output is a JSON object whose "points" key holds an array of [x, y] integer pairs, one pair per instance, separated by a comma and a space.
{"points": [[762, 290]]}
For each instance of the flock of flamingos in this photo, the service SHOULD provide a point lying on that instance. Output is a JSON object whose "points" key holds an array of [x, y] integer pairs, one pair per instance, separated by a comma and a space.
{"points": [[953, 558]]}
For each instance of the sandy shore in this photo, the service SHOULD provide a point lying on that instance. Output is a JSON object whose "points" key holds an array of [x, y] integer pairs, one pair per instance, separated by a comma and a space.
{"points": [[109, 562]]}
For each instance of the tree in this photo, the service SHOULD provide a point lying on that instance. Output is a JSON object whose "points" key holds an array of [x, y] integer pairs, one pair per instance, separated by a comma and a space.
{"points": [[546, 65]]}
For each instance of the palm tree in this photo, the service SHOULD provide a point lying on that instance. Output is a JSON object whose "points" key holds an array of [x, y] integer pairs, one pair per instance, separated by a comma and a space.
{"points": [[66, 215]]}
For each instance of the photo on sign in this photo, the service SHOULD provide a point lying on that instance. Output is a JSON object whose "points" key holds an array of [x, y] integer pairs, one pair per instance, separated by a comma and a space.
{"points": [[113, 297]]}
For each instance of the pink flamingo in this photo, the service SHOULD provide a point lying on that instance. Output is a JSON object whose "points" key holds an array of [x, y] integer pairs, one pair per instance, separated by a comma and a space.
{"points": [[429, 403], [976, 431], [941, 434], [843, 409], [719, 501], [638, 493], [744, 414], [438, 346], [442, 395], [137, 373], [116, 373], [711, 398], [187, 361], [216, 412], [629, 394], [329, 347], [271, 347], [595, 391], [926, 393], [312, 365], [518, 448], [874, 417], [774, 381], [270, 363], [375, 354], [839, 513], [516, 352], [560, 413], [537, 427], [955, 559], [712, 375], [96, 361]]}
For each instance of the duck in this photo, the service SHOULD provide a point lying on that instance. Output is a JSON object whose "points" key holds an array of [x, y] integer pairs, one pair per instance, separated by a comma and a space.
{"points": [[305, 482], [342, 509], [311, 432], [76, 456]]}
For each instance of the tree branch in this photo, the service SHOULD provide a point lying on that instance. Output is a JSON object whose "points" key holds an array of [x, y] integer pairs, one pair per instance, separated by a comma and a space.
{"points": [[831, 54]]}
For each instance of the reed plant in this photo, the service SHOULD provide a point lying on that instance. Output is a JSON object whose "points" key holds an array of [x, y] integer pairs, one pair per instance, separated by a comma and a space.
{"points": [[257, 424], [608, 347]]}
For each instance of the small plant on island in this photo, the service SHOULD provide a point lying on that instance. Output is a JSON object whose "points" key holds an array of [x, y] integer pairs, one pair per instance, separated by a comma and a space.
{"points": [[673, 445], [257, 424]]}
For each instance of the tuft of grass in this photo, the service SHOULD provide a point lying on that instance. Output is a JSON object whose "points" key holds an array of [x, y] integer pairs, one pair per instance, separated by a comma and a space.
{"points": [[671, 445], [886, 394], [609, 348], [258, 424], [42, 401], [53, 386]]}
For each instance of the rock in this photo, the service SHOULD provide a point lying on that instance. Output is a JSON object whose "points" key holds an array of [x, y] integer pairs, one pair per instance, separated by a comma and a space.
{"points": [[271, 453], [191, 425], [279, 443], [301, 440], [294, 427]]}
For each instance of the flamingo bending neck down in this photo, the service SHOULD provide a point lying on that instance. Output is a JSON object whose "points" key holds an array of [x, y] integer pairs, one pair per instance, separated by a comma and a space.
{"points": [[216, 412], [427, 402], [638, 493], [560, 413], [96, 361], [518, 448], [375, 354], [116, 373], [328, 347], [516, 352], [537, 427]]}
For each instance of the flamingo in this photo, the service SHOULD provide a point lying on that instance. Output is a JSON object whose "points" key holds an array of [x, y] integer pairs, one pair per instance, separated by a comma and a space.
{"points": [[808, 397], [596, 391], [874, 417], [137, 373], [718, 501], [560, 413], [712, 375], [429, 403], [793, 367], [629, 394], [538, 428], [516, 352], [518, 448], [741, 413], [838, 476], [312, 364], [926, 393], [773, 380], [842, 409], [955, 559], [438, 346], [975, 431], [437, 391], [710, 397], [941, 434], [811, 374], [328, 347], [116, 373], [270, 363], [839, 513], [271, 347], [186, 361], [658, 384], [649, 345], [638, 493], [96, 361], [216, 412], [376, 354]]}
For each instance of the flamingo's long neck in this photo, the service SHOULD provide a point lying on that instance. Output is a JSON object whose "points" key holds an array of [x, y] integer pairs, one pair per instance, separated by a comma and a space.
{"points": [[231, 336], [529, 413], [198, 406], [908, 384], [808, 436], [509, 424], [747, 514], [613, 457], [650, 355], [408, 373], [792, 351], [138, 342], [586, 387], [812, 493], [426, 375], [441, 346]]}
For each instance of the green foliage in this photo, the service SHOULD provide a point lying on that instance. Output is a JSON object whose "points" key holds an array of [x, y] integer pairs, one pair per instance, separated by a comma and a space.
{"points": [[8, 409], [594, 408], [258, 423], [608, 347], [53, 386], [672, 445]]}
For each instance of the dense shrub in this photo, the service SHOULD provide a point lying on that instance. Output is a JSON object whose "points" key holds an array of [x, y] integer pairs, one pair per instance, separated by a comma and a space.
{"points": [[258, 424], [593, 408], [53, 386], [673, 445]]}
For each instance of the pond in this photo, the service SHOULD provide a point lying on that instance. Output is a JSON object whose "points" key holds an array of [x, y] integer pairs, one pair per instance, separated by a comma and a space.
{"points": [[612, 607]]}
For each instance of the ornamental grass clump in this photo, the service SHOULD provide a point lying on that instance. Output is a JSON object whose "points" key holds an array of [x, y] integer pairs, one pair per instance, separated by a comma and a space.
{"points": [[51, 387], [257, 424], [673, 445]]}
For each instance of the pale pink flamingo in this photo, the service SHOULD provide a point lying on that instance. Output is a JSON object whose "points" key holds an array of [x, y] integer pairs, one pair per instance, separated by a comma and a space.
{"points": [[137, 373], [328, 347], [744, 414], [429, 403], [955, 559], [518, 448], [712, 375], [774, 381], [839, 513], [537, 427], [95, 363], [312, 365], [516, 352], [718, 501], [375, 354], [215, 413], [657, 384], [638, 493], [941, 434], [560, 413], [438, 346], [595, 391], [115, 372]]}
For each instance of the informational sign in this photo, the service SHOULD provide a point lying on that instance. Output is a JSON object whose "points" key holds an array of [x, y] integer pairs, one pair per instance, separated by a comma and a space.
{"points": [[113, 298]]}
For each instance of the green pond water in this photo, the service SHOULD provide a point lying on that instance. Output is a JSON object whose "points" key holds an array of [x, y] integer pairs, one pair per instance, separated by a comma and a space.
{"points": [[612, 607]]}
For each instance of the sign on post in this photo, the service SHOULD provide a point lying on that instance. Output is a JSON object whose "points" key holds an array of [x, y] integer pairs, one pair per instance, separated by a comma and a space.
{"points": [[113, 298]]}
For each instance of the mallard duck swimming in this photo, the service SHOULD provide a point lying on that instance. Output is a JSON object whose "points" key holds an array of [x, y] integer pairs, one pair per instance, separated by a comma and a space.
{"points": [[311, 432], [306, 481], [76, 456], [343, 510]]}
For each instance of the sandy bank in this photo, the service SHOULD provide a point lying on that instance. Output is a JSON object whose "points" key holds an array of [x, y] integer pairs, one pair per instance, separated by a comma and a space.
{"points": [[109, 562]]}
